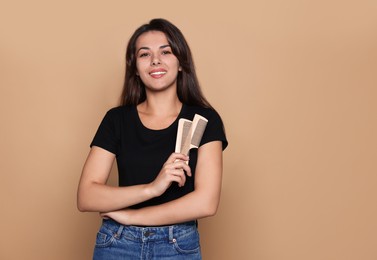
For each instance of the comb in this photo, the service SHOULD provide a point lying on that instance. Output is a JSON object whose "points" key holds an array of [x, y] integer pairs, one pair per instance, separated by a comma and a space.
{"points": [[184, 126], [195, 134]]}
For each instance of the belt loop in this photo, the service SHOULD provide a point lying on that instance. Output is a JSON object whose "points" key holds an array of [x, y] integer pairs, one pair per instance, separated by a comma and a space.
{"points": [[171, 237], [119, 232]]}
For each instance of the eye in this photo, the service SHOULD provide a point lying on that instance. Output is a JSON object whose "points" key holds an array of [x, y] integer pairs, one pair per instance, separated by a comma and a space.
{"points": [[144, 54], [166, 52]]}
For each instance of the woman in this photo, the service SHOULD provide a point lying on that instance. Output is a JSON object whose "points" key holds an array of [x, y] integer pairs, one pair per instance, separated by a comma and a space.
{"points": [[161, 194]]}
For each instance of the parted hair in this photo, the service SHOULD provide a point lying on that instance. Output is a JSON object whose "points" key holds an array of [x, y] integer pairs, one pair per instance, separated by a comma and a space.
{"points": [[188, 88]]}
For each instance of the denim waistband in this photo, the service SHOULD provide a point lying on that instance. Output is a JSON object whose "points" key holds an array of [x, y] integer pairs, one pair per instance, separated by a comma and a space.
{"points": [[150, 233]]}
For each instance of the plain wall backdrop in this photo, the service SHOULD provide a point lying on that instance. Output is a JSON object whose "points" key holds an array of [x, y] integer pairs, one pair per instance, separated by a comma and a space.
{"points": [[295, 82]]}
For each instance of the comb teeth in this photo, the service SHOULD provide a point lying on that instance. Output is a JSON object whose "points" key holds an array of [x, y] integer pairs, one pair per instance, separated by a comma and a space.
{"points": [[198, 132], [185, 132]]}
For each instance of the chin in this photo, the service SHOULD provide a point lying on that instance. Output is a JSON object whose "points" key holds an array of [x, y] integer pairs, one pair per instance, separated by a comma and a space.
{"points": [[159, 88]]}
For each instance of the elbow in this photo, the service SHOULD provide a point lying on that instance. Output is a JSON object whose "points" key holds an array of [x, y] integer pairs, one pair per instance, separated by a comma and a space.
{"points": [[83, 203], [87, 203], [208, 204], [90, 207], [210, 210], [81, 206], [87, 207]]}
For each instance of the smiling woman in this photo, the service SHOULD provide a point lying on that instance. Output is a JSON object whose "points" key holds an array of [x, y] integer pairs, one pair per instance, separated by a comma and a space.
{"points": [[161, 193]]}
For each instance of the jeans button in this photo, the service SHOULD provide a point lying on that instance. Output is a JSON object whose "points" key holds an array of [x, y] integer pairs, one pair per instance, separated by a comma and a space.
{"points": [[148, 233]]}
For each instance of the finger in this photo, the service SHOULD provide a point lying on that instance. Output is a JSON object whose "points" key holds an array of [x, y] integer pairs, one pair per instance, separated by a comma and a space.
{"points": [[177, 173], [177, 156], [104, 215], [178, 179], [184, 166], [182, 175], [179, 165]]}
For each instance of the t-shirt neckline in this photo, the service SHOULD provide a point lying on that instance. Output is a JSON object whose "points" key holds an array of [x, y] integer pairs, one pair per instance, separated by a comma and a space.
{"points": [[158, 130]]}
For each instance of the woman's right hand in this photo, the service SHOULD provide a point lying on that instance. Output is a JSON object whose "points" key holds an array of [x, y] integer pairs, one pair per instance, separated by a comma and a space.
{"points": [[174, 170]]}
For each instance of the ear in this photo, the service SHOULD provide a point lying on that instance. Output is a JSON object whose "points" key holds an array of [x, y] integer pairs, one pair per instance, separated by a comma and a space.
{"points": [[179, 68]]}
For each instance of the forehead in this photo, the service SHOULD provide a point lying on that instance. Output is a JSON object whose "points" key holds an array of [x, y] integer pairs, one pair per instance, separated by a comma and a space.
{"points": [[151, 39]]}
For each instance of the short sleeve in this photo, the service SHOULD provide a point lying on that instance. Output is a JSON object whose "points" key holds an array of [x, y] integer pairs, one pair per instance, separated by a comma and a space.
{"points": [[215, 130], [107, 135]]}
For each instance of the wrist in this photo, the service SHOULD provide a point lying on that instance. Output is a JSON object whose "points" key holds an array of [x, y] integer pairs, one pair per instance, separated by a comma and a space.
{"points": [[149, 191]]}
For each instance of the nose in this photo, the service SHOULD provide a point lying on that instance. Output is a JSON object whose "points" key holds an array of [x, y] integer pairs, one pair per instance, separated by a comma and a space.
{"points": [[155, 60]]}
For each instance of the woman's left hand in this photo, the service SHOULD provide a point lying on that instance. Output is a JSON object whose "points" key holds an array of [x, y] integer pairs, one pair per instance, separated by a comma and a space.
{"points": [[120, 216]]}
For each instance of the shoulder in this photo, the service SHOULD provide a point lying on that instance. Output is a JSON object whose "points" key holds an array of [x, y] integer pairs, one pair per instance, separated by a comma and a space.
{"points": [[119, 112], [117, 116]]}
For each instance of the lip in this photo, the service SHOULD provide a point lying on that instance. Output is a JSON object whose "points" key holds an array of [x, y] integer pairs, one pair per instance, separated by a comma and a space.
{"points": [[157, 73]]}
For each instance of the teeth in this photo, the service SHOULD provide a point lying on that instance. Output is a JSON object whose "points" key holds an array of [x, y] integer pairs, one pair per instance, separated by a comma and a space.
{"points": [[158, 73]]}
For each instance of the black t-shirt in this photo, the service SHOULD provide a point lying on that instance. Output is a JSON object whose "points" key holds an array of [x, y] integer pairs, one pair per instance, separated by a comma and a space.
{"points": [[141, 152]]}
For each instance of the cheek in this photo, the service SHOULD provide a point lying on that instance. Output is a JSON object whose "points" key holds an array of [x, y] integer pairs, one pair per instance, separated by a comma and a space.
{"points": [[140, 67], [176, 64]]}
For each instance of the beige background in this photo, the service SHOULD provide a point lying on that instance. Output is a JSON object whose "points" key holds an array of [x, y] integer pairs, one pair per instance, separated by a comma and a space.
{"points": [[295, 82]]}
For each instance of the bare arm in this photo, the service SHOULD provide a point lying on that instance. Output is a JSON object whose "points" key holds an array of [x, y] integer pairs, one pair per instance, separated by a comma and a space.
{"points": [[94, 195], [200, 203]]}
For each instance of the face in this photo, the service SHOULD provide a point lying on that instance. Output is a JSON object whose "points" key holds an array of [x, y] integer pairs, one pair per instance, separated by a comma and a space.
{"points": [[156, 64]]}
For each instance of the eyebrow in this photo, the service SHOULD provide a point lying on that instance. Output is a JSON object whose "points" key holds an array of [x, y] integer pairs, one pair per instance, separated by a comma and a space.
{"points": [[147, 48]]}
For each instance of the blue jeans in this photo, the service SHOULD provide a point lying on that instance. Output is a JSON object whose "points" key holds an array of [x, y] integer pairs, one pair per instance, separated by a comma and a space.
{"points": [[115, 241]]}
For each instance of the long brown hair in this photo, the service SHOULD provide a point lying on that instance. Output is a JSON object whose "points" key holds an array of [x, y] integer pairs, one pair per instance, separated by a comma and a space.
{"points": [[188, 88]]}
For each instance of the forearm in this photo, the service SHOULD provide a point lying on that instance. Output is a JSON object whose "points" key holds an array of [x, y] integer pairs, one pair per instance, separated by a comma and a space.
{"points": [[103, 198], [94, 195], [192, 206]]}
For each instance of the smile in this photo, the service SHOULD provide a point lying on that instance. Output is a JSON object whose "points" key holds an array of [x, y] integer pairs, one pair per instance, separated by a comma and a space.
{"points": [[158, 73]]}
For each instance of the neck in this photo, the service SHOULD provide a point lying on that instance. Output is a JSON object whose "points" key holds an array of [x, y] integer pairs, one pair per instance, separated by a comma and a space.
{"points": [[160, 104]]}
